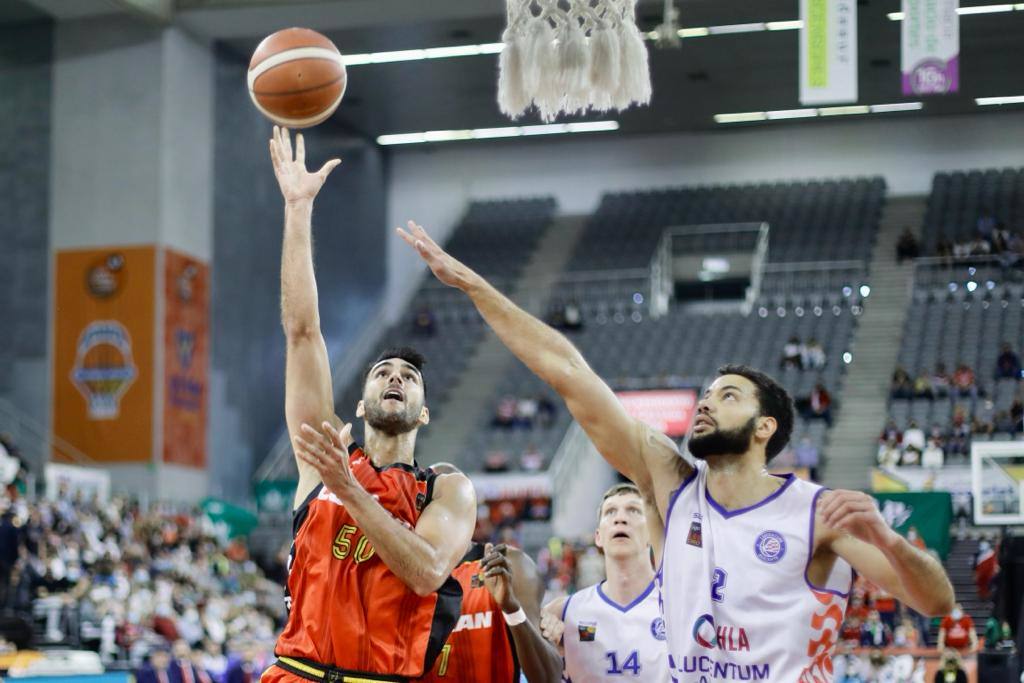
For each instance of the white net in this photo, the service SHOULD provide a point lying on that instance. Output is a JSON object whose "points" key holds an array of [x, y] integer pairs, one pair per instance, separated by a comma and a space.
{"points": [[572, 55]]}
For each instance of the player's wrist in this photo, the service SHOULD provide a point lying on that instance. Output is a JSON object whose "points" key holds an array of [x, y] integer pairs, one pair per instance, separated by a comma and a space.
{"points": [[510, 605], [298, 203], [515, 617]]}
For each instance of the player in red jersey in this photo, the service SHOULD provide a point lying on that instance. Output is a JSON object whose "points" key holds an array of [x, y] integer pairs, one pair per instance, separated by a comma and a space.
{"points": [[498, 631], [375, 538]]}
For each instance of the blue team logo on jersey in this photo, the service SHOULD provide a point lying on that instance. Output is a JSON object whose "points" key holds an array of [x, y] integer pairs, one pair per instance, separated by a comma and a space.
{"points": [[770, 547], [658, 629]]}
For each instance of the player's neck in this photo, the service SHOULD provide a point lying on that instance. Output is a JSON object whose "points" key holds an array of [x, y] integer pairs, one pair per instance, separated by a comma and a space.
{"points": [[739, 481], [384, 449], [628, 577]]}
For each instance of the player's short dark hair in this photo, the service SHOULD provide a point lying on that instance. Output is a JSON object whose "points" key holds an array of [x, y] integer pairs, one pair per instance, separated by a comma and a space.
{"points": [[775, 403], [406, 353]]}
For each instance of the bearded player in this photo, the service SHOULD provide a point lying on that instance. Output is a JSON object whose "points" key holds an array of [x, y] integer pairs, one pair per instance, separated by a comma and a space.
{"points": [[764, 558], [375, 538], [497, 636], [613, 630]]}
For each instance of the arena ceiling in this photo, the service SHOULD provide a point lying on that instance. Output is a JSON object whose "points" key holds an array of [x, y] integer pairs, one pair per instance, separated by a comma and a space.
{"points": [[739, 72]]}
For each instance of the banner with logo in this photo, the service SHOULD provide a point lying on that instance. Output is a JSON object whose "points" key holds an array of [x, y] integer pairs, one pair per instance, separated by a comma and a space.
{"points": [[186, 359], [275, 497], [931, 513], [930, 59], [104, 328], [669, 411], [828, 51], [229, 521]]}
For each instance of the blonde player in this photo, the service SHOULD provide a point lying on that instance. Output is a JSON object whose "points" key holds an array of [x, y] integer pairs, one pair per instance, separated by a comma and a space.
{"points": [[614, 630], [756, 568]]}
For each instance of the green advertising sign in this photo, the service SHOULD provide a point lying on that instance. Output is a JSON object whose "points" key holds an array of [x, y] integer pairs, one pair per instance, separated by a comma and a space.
{"points": [[275, 497], [230, 520], [931, 513]]}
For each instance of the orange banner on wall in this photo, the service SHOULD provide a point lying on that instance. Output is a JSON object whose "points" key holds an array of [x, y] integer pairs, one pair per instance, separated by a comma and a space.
{"points": [[186, 358], [104, 327]]}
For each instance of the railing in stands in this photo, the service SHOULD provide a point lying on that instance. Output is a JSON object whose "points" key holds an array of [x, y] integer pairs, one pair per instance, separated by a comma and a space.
{"points": [[28, 434]]}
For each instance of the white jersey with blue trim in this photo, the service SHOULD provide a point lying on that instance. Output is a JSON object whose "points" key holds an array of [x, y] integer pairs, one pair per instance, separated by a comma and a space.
{"points": [[605, 641], [737, 600]]}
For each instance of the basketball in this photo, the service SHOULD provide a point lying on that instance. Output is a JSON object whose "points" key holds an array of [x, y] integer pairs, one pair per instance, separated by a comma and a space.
{"points": [[297, 77]]}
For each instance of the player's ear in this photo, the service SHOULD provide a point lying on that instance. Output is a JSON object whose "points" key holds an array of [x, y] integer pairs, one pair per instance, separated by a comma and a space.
{"points": [[597, 538], [424, 416], [766, 427], [360, 410]]}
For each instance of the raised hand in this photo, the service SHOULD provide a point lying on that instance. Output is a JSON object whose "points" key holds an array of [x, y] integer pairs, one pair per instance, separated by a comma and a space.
{"points": [[857, 514], [445, 267], [326, 450], [297, 184], [498, 577], [552, 628]]}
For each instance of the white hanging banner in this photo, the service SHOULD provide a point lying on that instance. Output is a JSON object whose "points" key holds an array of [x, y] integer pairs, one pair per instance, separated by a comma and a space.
{"points": [[930, 59], [828, 51]]}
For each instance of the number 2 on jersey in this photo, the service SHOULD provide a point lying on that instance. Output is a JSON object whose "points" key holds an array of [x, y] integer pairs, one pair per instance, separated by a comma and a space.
{"points": [[718, 585], [632, 663]]}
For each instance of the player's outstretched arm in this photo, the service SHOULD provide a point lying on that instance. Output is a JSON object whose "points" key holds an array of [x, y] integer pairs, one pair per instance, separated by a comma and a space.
{"points": [[649, 460], [309, 396], [852, 527], [424, 557], [511, 577]]}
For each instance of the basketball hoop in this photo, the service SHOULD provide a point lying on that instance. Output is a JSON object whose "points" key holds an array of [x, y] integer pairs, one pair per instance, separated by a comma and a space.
{"points": [[570, 56]]}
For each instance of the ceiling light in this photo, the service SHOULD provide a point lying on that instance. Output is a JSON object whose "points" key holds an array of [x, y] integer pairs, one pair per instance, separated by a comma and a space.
{"points": [[418, 55], [784, 25], [986, 101], [844, 111], [492, 133], [736, 28], [897, 106], [693, 32], [792, 114], [741, 117], [398, 56], [976, 9]]}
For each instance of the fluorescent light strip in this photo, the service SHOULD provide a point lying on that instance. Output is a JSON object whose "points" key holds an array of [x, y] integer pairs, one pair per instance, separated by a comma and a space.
{"points": [[701, 31], [812, 112], [492, 133], [987, 101], [976, 9], [418, 55]]}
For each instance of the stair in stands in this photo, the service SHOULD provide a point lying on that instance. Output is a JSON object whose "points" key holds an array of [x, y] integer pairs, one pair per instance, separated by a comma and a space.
{"points": [[875, 348]]}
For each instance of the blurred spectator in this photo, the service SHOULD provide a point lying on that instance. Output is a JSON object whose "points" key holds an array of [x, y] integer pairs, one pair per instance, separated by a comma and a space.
{"points": [[906, 634], [590, 567], [1003, 423], [981, 426], [915, 538], [546, 411], [923, 387], [807, 456], [814, 356], [213, 660], [496, 461], [913, 438], [1007, 364], [986, 225], [156, 669], [532, 460], [821, 404], [181, 668], [902, 384], [910, 457], [856, 615], [846, 666], [963, 382], [907, 247], [960, 433], [986, 569], [11, 541], [423, 323], [880, 668], [888, 454], [957, 631], [891, 432], [793, 354], [940, 381], [885, 604], [505, 413], [526, 412], [245, 669], [1017, 415], [874, 633], [951, 668], [933, 455]]}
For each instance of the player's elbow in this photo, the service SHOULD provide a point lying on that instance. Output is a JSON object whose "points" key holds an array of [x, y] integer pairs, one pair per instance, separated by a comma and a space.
{"points": [[297, 330], [428, 583], [940, 603]]}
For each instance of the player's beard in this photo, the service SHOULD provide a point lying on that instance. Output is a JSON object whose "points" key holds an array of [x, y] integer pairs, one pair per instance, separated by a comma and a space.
{"points": [[392, 424], [722, 441]]}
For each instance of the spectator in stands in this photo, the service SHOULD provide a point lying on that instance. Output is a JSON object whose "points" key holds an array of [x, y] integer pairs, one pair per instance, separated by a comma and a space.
{"points": [[182, 668], [1003, 423], [951, 668], [245, 669], [913, 440], [1008, 364], [986, 224], [906, 634], [526, 412], [821, 404], [980, 425], [902, 384], [940, 381], [423, 323], [156, 669], [888, 454], [923, 386], [11, 542], [907, 247], [914, 537], [793, 354], [846, 666], [891, 432], [807, 456], [1017, 415], [856, 614], [532, 460], [957, 631], [505, 413], [814, 355], [496, 461], [963, 382], [986, 569], [933, 456], [944, 250], [546, 411], [874, 633], [959, 442], [879, 667]]}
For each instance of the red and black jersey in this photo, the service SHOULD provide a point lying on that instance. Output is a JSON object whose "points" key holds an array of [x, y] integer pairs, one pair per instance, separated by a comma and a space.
{"points": [[480, 648], [347, 610]]}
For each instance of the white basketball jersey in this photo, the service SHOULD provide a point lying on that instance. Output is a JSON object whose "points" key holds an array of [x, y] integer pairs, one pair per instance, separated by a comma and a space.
{"points": [[737, 601], [605, 641]]}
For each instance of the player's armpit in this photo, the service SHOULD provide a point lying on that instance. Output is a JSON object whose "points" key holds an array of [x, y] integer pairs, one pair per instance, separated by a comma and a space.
{"points": [[447, 523], [309, 397]]}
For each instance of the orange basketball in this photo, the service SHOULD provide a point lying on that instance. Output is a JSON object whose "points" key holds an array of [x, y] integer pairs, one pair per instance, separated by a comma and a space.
{"points": [[297, 77]]}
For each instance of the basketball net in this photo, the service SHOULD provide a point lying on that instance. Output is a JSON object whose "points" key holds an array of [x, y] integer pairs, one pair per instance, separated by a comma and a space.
{"points": [[570, 56]]}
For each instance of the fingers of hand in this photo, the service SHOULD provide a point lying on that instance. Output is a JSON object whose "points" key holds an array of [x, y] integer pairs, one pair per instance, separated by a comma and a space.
{"points": [[326, 169], [497, 571], [320, 439], [300, 149], [286, 144]]}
